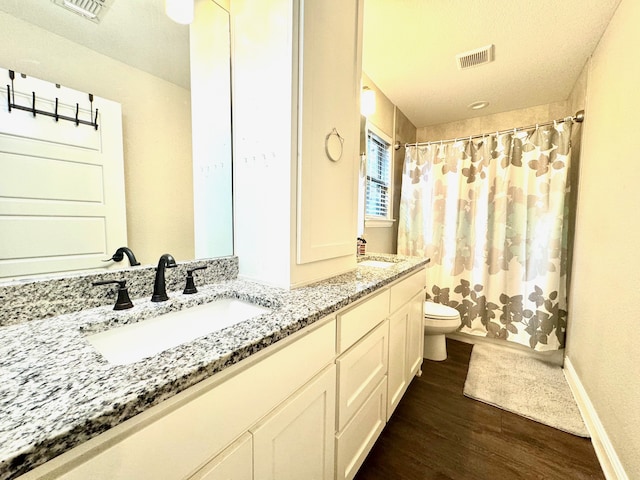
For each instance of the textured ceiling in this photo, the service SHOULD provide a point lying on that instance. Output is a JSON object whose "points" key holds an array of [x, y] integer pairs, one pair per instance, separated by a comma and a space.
{"points": [[136, 32], [409, 48], [541, 46]]}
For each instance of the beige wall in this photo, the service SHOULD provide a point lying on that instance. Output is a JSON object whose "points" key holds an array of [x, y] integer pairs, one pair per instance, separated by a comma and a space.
{"points": [[156, 129], [604, 329], [397, 126]]}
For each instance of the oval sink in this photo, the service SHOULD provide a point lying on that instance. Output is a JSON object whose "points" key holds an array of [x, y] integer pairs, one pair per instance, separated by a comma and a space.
{"points": [[133, 342]]}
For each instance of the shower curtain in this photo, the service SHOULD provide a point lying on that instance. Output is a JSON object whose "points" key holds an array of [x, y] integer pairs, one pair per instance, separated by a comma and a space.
{"points": [[492, 215]]}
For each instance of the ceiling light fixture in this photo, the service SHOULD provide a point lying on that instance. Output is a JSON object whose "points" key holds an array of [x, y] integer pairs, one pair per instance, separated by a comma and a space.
{"points": [[180, 11], [478, 105], [367, 101]]}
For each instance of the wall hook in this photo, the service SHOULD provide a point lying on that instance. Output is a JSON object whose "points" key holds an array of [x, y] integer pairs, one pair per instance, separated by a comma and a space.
{"points": [[33, 103], [77, 110], [56, 112]]}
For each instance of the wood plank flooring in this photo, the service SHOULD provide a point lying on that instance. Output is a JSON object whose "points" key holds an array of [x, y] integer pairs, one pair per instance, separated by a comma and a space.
{"points": [[437, 433]]}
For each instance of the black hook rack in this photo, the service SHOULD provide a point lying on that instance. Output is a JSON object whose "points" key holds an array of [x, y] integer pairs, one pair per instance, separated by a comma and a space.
{"points": [[11, 104]]}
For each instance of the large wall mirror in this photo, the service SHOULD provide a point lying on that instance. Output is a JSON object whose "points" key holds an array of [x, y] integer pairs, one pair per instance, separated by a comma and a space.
{"points": [[175, 101]]}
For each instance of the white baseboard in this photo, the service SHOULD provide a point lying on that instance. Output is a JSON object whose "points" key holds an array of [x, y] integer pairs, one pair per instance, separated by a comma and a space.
{"points": [[609, 461]]}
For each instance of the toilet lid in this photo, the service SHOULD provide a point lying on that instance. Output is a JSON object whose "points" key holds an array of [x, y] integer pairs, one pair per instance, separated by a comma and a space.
{"points": [[437, 310]]}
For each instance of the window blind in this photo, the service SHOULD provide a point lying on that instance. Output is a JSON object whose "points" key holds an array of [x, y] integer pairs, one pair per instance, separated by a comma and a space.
{"points": [[378, 176]]}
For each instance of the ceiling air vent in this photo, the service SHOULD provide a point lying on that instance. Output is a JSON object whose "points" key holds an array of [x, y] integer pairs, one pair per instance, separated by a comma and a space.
{"points": [[476, 57], [92, 10]]}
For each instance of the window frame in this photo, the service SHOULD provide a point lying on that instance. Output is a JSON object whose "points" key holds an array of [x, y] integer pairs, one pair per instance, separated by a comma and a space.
{"points": [[378, 220]]}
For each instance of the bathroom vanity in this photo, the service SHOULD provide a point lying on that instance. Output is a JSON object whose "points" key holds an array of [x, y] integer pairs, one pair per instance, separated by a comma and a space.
{"points": [[300, 392]]}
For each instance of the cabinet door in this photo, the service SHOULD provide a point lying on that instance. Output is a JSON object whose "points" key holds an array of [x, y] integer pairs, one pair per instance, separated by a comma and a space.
{"points": [[235, 463], [296, 441], [406, 338], [397, 376], [329, 75], [415, 335]]}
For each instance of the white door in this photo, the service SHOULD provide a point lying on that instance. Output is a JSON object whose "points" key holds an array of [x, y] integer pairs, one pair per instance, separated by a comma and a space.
{"points": [[62, 199]]}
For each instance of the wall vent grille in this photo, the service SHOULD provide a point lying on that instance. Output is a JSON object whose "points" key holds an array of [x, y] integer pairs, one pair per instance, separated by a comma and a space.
{"points": [[476, 57], [92, 10]]}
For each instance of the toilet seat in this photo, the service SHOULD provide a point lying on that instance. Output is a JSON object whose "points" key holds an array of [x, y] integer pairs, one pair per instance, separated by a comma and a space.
{"points": [[437, 311]]}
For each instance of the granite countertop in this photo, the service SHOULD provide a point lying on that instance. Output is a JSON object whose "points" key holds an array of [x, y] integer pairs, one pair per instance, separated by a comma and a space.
{"points": [[57, 391]]}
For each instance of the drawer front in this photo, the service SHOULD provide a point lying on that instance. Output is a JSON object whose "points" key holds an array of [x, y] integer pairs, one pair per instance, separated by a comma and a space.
{"points": [[360, 370], [203, 426], [361, 319], [404, 290], [355, 441]]}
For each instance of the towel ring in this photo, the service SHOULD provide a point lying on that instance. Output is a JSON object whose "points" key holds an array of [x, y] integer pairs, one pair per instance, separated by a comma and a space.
{"points": [[333, 144]]}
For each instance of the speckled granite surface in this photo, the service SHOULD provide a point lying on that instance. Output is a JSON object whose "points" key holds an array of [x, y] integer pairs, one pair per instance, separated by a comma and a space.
{"points": [[56, 391], [33, 298]]}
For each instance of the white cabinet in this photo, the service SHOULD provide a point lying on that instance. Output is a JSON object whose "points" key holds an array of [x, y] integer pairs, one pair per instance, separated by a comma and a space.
{"points": [[296, 78], [378, 358], [176, 438], [406, 337], [363, 337], [329, 71], [296, 441], [235, 463], [291, 411]]}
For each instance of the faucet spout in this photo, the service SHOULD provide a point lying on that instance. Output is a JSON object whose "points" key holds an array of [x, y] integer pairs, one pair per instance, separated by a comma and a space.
{"points": [[119, 255], [160, 287]]}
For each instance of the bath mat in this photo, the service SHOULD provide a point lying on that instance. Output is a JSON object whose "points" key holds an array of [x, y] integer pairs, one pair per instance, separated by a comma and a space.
{"points": [[513, 381]]}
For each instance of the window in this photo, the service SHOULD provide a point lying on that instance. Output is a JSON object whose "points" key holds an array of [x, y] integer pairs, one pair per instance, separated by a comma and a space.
{"points": [[378, 181]]}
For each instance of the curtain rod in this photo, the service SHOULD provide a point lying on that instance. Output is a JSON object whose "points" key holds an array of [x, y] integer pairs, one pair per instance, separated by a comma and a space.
{"points": [[577, 118]]}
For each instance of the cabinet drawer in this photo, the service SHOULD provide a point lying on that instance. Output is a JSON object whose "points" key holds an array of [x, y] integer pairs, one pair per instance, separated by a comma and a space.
{"points": [[183, 439], [360, 370], [356, 322], [404, 290], [355, 441]]}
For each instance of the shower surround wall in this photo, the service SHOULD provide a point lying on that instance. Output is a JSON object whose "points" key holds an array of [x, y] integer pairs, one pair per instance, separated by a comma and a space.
{"points": [[495, 122]]}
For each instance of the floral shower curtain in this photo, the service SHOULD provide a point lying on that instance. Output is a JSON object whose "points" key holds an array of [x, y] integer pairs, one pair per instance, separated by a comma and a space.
{"points": [[492, 214]]}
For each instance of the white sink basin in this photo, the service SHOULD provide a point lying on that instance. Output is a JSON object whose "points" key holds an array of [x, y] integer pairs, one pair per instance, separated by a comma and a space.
{"points": [[376, 264], [130, 343]]}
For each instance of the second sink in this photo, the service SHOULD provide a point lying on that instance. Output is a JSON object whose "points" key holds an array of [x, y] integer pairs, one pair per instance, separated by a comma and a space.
{"points": [[133, 342]]}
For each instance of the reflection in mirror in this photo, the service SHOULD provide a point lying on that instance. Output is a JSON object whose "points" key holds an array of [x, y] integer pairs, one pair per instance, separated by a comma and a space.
{"points": [[139, 58]]}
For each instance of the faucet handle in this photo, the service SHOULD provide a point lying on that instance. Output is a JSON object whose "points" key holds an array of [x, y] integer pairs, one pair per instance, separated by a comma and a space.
{"points": [[190, 287], [122, 301]]}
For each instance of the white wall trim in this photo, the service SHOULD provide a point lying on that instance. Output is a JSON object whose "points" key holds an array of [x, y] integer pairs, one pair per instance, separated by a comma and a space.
{"points": [[609, 461]]}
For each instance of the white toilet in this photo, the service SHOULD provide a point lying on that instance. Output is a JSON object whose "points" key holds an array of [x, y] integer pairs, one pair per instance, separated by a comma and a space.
{"points": [[438, 320]]}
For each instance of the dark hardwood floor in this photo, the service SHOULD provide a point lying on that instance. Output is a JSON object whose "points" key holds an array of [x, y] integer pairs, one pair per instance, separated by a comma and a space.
{"points": [[437, 433]]}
